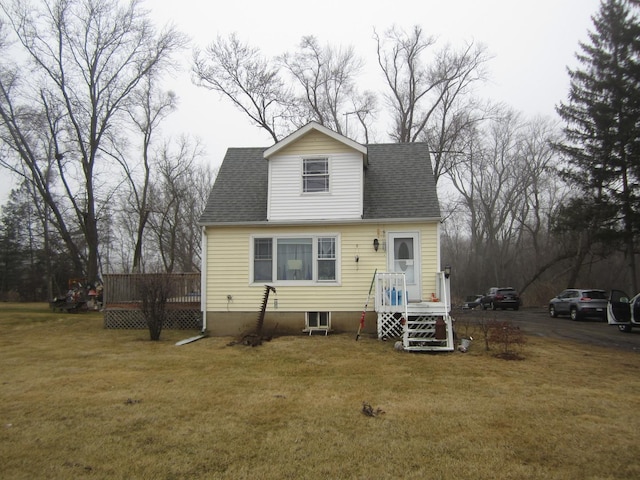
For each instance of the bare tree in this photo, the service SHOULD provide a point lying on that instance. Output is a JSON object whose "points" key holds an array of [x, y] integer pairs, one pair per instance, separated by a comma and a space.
{"points": [[324, 87], [542, 191], [490, 185], [240, 73], [327, 76], [29, 150], [509, 191], [88, 58], [148, 108], [457, 109], [418, 87], [178, 199]]}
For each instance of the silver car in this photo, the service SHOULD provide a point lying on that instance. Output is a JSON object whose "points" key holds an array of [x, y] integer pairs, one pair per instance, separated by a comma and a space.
{"points": [[580, 303]]}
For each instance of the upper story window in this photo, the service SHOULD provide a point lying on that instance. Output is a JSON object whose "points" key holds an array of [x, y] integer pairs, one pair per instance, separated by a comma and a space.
{"points": [[315, 175]]}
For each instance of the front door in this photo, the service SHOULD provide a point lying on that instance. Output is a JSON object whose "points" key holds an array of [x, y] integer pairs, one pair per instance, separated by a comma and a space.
{"points": [[403, 256]]}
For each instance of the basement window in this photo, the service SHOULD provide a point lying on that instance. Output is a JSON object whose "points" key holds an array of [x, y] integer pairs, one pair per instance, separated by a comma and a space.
{"points": [[318, 322]]}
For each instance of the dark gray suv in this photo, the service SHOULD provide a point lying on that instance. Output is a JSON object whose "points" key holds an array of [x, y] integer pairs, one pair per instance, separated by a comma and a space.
{"points": [[580, 303], [501, 297]]}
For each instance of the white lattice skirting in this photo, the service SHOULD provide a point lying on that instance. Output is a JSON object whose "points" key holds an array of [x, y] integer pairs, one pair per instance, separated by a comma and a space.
{"points": [[390, 325]]}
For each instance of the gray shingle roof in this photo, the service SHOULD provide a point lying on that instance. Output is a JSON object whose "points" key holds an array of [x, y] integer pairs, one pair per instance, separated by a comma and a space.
{"points": [[399, 183]]}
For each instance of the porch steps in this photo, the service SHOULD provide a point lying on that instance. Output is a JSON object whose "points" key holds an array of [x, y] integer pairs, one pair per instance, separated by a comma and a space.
{"points": [[428, 333], [423, 326], [428, 327]]}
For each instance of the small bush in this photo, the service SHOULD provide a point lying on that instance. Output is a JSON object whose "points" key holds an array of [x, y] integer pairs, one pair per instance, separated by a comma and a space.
{"points": [[507, 337], [155, 290]]}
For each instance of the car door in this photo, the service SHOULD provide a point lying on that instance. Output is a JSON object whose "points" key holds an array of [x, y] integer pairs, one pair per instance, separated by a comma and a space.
{"points": [[618, 308], [635, 309], [562, 305]]}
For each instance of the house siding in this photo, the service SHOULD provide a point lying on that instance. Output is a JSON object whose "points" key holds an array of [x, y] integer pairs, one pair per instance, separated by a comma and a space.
{"points": [[315, 143], [229, 269], [286, 201]]}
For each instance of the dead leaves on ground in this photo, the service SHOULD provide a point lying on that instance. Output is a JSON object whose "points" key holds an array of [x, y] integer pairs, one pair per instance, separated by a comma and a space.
{"points": [[368, 410]]}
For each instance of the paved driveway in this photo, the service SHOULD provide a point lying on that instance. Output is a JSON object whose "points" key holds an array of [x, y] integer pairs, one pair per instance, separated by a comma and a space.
{"points": [[536, 321]]}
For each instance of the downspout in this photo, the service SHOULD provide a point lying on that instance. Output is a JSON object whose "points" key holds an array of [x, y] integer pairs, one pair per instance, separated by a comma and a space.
{"points": [[203, 279], [439, 266]]}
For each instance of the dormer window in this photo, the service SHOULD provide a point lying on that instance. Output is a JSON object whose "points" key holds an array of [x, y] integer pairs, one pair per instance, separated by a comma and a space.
{"points": [[315, 175]]}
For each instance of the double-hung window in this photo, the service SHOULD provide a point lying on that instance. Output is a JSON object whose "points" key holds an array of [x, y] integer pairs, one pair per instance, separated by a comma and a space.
{"points": [[326, 258], [315, 175], [295, 259], [262, 259]]}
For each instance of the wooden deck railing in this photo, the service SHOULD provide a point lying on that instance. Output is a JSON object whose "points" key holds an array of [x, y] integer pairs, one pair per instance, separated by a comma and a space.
{"points": [[125, 288]]}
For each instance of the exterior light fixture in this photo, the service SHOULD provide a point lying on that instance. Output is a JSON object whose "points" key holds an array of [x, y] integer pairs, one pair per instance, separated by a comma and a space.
{"points": [[376, 244], [447, 271]]}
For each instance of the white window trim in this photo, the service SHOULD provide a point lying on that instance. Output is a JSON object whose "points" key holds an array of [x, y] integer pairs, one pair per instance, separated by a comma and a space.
{"points": [[313, 282], [316, 157]]}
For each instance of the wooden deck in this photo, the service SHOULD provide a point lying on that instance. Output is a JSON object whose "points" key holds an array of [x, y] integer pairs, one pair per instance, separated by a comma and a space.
{"points": [[122, 302]]}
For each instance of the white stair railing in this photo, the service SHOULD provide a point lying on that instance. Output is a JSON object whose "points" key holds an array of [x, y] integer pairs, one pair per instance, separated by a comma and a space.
{"points": [[391, 304]]}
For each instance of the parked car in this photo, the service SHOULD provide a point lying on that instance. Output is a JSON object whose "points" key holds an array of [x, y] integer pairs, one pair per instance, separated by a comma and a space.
{"points": [[579, 303], [472, 301], [501, 297], [622, 311]]}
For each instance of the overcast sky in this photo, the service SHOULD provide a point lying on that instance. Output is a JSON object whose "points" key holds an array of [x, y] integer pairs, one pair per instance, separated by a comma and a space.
{"points": [[531, 44]]}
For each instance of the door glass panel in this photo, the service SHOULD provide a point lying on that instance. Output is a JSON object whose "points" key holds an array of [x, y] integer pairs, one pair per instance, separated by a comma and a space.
{"points": [[403, 258]]}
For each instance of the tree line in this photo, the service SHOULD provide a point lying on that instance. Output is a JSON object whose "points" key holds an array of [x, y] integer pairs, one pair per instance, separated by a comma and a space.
{"points": [[536, 203]]}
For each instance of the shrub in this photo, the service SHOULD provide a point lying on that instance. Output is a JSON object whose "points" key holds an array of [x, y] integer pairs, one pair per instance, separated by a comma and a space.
{"points": [[507, 337], [155, 289]]}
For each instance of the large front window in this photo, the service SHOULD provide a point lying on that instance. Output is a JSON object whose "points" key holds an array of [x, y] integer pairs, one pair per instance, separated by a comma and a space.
{"points": [[295, 259]]}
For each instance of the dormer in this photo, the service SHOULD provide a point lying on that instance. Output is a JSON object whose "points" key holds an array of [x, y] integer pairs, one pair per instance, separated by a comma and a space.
{"points": [[315, 174]]}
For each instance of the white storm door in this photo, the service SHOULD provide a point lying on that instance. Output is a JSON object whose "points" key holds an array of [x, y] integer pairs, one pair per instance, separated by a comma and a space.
{"points": [[403, 256]]}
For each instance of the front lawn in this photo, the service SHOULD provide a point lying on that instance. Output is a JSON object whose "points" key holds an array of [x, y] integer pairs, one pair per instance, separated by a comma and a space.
{"points": [[79, 401]]}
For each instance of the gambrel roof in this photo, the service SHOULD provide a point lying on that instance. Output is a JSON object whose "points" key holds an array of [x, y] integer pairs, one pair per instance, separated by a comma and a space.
{"points": [[398, 185]]}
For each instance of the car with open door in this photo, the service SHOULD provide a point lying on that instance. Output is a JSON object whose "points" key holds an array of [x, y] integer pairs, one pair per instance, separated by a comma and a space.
{"points": [[623, 311]]}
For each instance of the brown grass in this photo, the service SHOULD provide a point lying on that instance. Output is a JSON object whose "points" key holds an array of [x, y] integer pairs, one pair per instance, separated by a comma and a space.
{"points": [[78, 401]]}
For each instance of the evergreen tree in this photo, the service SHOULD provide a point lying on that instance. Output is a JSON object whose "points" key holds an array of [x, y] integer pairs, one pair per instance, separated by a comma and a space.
{"points": [[20, 250], [29, 271], [602, 132], [10, 255]]}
